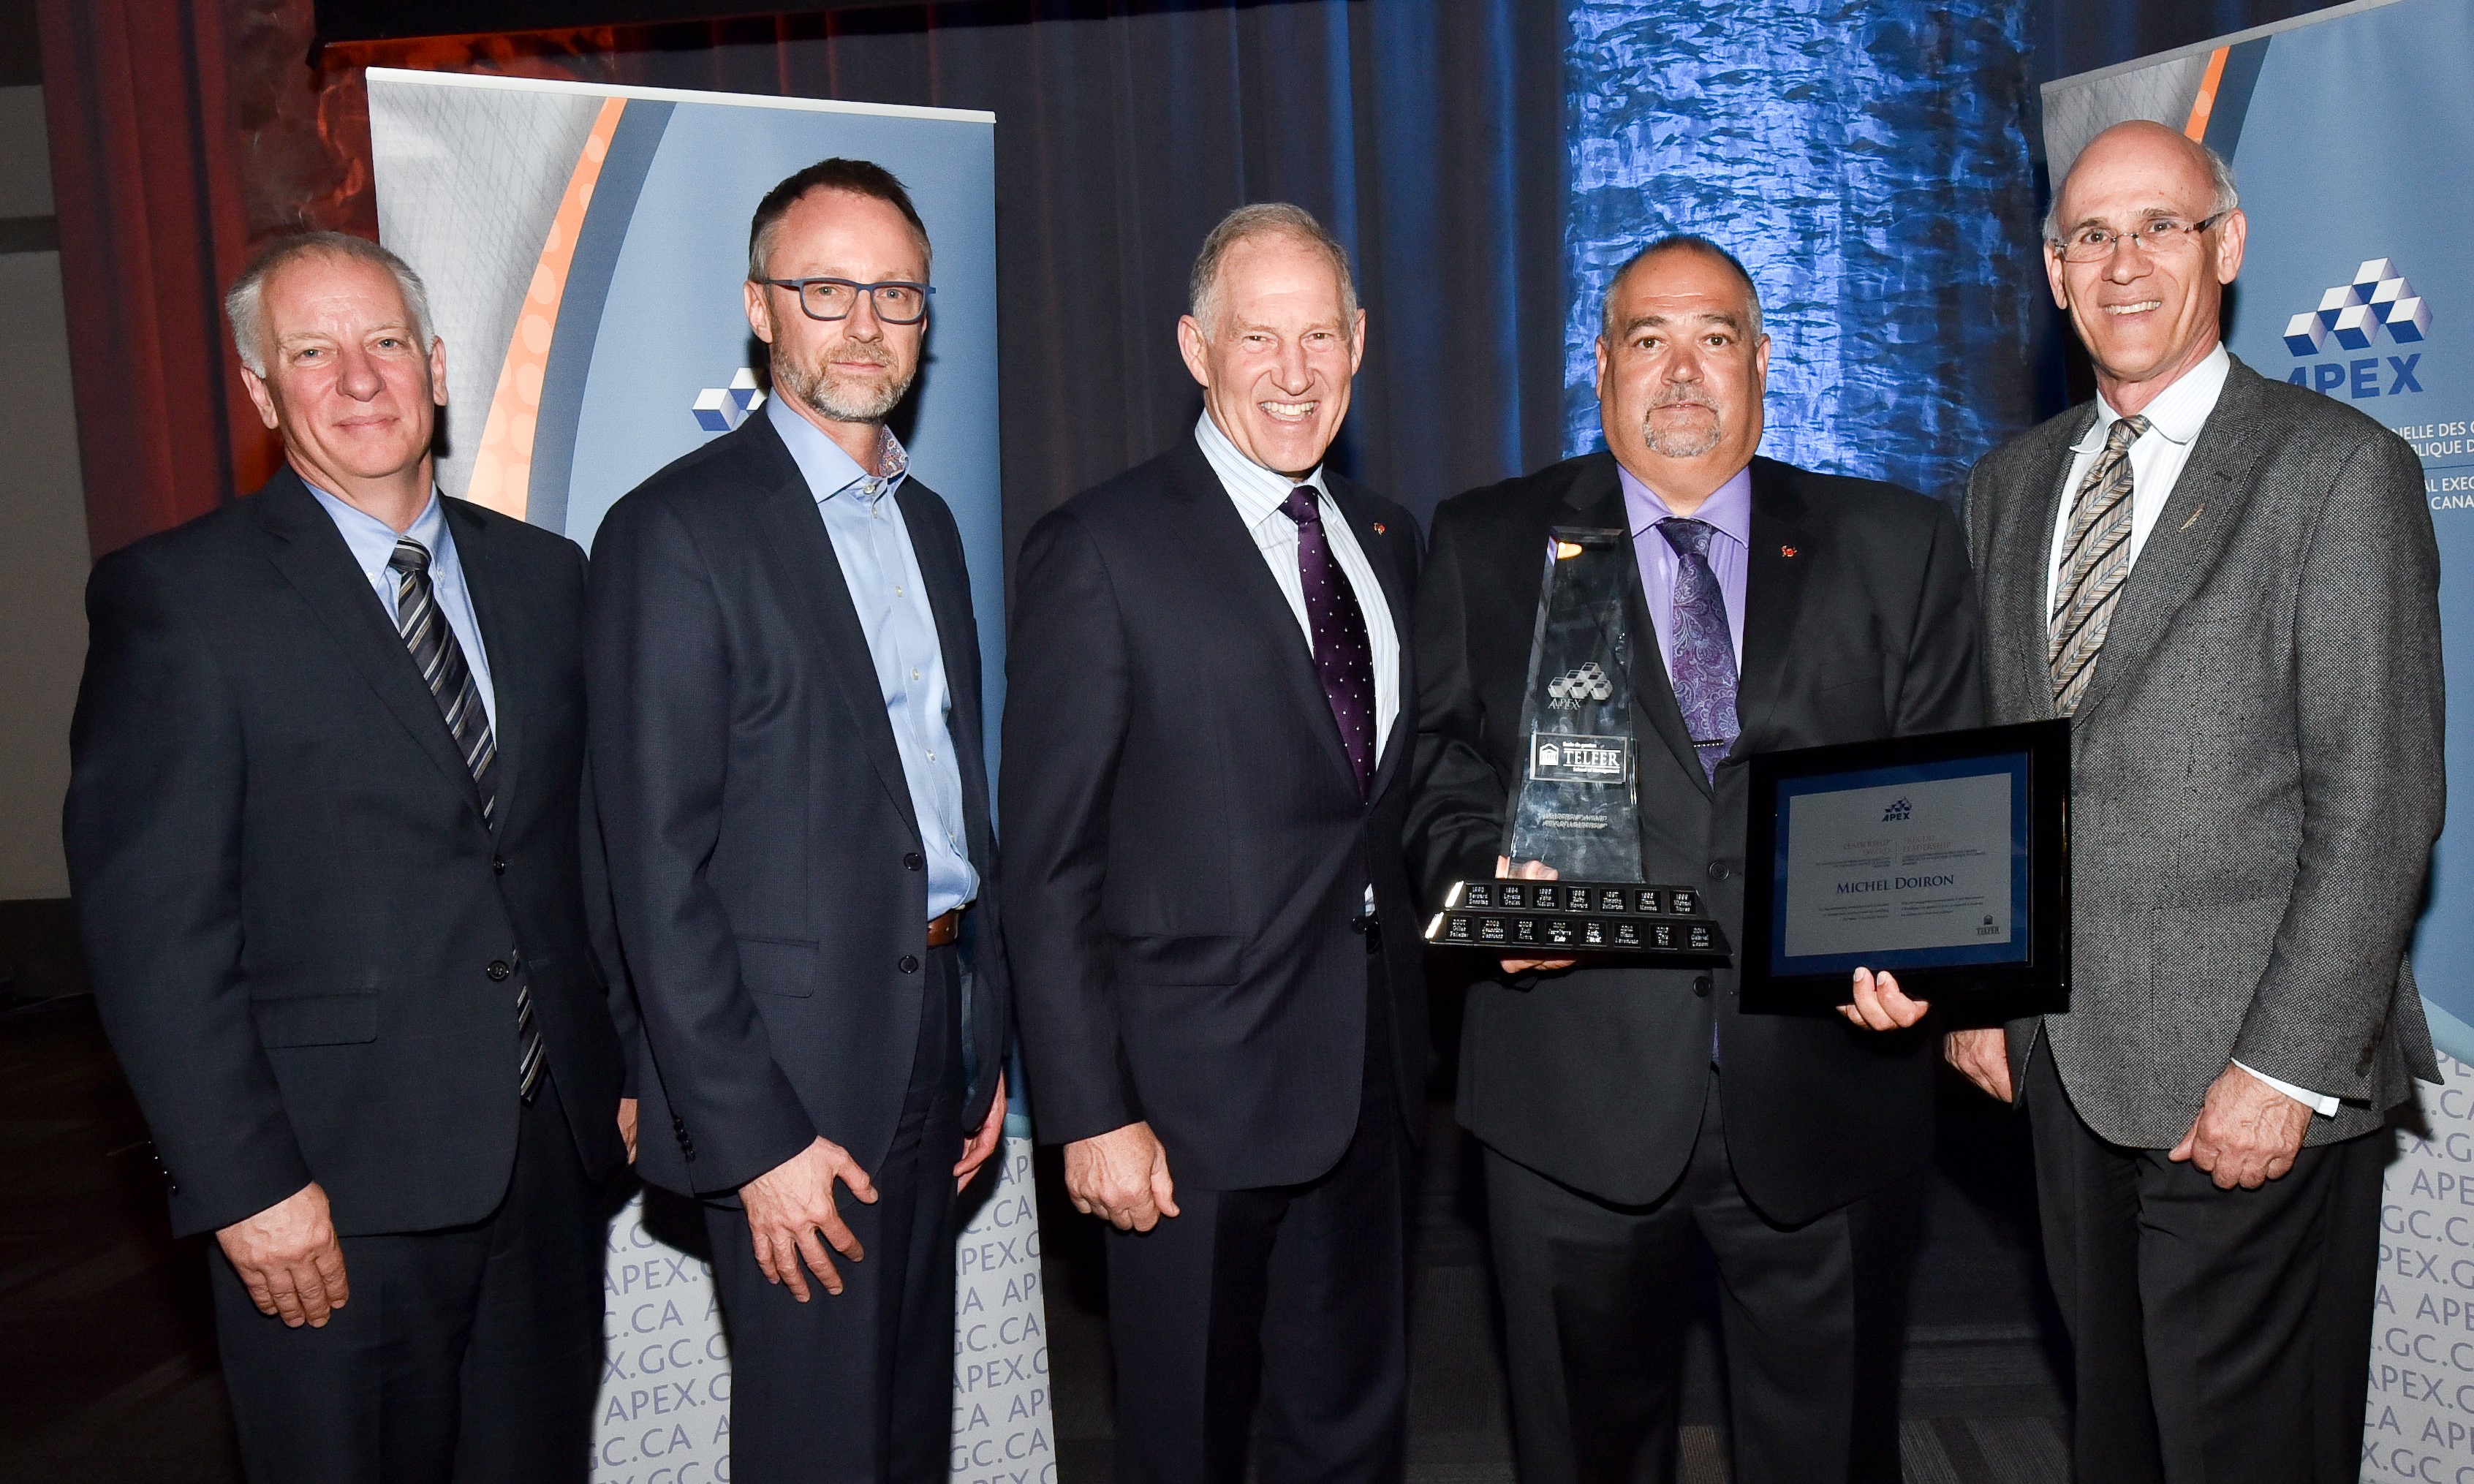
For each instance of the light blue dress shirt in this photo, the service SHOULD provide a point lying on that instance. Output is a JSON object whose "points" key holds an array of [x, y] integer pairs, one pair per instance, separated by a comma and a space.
{"points": [[881, 568], [372, 543]]}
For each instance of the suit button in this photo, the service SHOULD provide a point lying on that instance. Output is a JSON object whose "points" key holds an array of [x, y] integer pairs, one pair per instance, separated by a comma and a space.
{"points": [[678, 1124], [1720, 870], [175, 1190], [909, 965], [1701, 986], [498, 864], [498, 969], [914, 861]]}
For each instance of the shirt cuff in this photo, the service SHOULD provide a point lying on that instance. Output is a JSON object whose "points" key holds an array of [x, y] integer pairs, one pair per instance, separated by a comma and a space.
{"points": [[2324, 1106]]}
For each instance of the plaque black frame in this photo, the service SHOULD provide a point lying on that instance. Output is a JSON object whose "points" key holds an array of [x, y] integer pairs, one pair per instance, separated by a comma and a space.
{"points": [[1976, 993]]}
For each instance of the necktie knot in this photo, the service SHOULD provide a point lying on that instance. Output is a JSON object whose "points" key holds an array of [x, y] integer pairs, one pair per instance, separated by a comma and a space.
{"points": [[1688, 537], [1300, 506], [411, 558], [2124, 433]]}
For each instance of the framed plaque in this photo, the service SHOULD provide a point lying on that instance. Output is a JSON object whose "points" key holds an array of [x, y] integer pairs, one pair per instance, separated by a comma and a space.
{"points": [[1944, 858]]}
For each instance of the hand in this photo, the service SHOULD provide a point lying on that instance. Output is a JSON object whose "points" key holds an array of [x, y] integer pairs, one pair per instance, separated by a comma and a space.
{"points": [[1530, 871], [627, 1127], [790, 1204], [289, 1261], [2246, 1133], [1879, 1004], [1121, 1177], [984, 1143], [1983, 1058]]}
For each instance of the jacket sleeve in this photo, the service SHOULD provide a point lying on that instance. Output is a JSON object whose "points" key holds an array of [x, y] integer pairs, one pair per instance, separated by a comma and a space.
{"points": [[2368, 697], [158, 781], [658, 691], [1456, 810], [1942, 688], [1068, 707]]}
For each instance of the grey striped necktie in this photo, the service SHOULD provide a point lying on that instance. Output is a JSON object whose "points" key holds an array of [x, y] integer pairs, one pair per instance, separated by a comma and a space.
{"points": [[440, 659], [2095, 561]]}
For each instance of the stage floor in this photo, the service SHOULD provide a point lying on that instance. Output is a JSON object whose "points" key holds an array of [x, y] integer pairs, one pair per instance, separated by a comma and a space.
{"points": [[105, 1341]]}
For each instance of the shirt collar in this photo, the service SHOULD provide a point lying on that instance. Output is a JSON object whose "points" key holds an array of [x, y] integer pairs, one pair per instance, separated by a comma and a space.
{"points": [[1728, 507], [2179, 412], [827, 469], [372, 540], [1259, 493]]}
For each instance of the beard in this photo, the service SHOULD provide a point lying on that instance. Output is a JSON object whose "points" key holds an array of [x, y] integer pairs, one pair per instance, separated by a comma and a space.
{"points": [[1687, 443], [840, 395]]}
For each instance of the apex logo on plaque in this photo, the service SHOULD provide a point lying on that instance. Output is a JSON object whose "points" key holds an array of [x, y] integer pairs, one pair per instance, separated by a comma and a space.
{"points": [[1943, 858]]}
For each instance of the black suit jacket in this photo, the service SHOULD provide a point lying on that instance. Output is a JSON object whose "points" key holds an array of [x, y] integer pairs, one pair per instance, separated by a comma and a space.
{"points": [[1186, 850], [290, 901], [1859, 622], [765, 862]]}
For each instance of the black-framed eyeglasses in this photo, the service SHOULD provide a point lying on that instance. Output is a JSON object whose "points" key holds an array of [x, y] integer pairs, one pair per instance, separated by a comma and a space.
{"points": [[2096, 243], [894, 301]]}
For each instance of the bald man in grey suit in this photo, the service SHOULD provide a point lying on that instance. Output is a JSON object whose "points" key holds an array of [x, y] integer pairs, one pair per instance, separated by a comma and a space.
{"points": [[2230, 586]]}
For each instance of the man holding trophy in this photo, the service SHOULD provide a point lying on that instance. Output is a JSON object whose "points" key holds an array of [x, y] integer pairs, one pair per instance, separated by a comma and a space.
{"points": [[1591, 616]]}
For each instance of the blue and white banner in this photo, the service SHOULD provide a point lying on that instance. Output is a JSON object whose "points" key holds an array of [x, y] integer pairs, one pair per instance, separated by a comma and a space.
{"points": [[2350, 134], [584, 248]]}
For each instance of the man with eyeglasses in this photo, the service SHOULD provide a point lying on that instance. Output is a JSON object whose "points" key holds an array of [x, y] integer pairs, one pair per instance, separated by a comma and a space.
{"points": [[785, 681], [2229, 586]]}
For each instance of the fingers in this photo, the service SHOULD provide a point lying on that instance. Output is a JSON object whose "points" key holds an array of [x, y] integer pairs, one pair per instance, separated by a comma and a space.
{"points": [[814, 1251], [763, 1242], [845, 1241], [1163, 1190], [852, 1176], [312, 1289], [785, 1269], [1542, 966], [260, 1292], [329, 1261], [280, 1284]]}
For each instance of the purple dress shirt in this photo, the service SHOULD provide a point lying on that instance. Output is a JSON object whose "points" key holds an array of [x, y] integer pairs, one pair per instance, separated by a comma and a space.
{"points": [[1731, 510]]}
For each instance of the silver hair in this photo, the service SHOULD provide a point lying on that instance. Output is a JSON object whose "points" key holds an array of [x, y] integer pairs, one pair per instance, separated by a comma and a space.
{"points": [[1681, 241], [246, 304], [1264, 218], [2222, 195]]}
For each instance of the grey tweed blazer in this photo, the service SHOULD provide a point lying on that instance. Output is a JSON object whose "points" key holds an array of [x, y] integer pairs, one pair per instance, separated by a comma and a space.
{"points": [[2256, 767]]}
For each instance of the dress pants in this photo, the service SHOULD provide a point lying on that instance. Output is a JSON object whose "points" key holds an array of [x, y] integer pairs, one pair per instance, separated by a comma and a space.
{"points": [[858, 1387], [471, 1354], [1294, 1297], [1596, 1297], [2216, 1334]]}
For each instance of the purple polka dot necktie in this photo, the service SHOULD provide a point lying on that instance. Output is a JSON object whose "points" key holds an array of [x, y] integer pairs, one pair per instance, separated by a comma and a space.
{"points": [[1701, 657], [1343, 657]]}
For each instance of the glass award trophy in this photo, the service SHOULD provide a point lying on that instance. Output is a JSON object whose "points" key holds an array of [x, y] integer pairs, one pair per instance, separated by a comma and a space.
{"points": [[1577, 808]]}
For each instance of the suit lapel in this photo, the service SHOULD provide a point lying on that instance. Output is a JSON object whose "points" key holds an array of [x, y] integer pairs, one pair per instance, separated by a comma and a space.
{"points": [[820, 595], [1596, 499], [946, 576], [1774, 587], [1396, 597], [1217, 535], [2190, 534], [493, 607], [2020, 558], [313, 556]]}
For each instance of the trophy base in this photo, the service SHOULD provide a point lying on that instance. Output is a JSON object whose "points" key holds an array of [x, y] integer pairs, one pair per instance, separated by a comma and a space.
{"points": [[1624, 919]]}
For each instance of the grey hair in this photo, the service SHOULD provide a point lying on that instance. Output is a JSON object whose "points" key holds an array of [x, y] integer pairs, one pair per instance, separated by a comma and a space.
{"points": [[1264, 218], [2222, 197], [246, 304], [1687, 242]]}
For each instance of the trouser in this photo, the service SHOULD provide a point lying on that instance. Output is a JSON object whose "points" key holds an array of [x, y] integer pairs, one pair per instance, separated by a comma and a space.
{"points": [[2216, 1334], [1597, 1297], [471, 1354], [857, 1388], [1294, 1298]]}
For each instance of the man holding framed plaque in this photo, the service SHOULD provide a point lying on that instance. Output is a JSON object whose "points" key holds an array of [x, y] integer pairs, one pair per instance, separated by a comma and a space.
{"points": [[1627, 1102]]}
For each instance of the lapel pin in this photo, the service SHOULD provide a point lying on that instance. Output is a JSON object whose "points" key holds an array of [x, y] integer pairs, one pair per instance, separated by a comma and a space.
{"points": [[1378, 527], [1787, 550], [2194, 518]]}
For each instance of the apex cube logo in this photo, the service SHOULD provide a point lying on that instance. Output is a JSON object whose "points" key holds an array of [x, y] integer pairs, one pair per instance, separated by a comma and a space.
{"points": [[1588, 683], [720, 408], [2354, 315], [1898, 812]]}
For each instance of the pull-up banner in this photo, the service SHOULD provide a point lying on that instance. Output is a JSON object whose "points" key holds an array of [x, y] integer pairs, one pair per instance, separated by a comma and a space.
{"points": [[584, 248], [2350, 134]]}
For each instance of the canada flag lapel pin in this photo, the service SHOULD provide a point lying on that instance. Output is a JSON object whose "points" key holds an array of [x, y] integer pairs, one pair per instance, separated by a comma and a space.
{"points": [[1786, 551], [1378, 527]]}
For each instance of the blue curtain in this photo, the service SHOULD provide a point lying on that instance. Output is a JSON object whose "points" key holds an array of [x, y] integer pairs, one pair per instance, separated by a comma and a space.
{"points": [[1868, 161]]}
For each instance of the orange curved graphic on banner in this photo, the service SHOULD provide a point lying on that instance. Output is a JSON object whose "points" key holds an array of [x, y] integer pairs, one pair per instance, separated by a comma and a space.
{"points": [[502, 467], [2205, 103]]}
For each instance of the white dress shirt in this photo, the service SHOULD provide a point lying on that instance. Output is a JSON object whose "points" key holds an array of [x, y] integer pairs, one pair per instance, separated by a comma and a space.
{"points": [[2156, 459], [1258, 493], [372, 544]]}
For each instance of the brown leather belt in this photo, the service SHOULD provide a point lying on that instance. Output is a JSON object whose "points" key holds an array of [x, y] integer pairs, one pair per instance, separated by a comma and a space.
{"points": [[943, 930]]}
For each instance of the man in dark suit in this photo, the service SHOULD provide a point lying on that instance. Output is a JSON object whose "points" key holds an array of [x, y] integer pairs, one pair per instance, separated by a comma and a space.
{"points": [[1623, 1107], [1216, 943], [323, 832], [2230, 586], [786, 732]]}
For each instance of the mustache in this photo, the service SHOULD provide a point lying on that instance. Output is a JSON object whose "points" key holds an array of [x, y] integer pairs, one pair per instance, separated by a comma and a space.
{"points": [[1682, 397]]}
